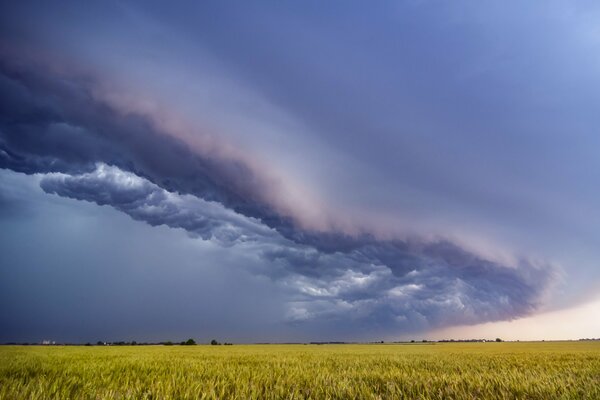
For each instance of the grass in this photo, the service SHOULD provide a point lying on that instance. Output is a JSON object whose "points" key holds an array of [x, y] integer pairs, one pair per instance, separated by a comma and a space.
{"points": [[549, 370]]}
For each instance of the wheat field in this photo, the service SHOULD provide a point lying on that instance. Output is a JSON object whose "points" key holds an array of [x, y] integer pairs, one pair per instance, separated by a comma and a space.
{"points": [[544, 370]]}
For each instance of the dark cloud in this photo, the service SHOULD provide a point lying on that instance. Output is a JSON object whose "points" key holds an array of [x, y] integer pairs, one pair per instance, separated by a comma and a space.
{"points": [[408, 285], [145, 201], [52, 124], [395, 284]]}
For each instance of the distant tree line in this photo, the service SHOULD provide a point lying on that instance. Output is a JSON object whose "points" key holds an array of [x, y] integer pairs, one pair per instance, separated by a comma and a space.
{"points": [[189, 342], [469, 340], [215, 343]]}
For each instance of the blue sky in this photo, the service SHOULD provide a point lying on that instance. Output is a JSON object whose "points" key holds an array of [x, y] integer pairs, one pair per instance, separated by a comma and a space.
{"points": [[296, 171]]}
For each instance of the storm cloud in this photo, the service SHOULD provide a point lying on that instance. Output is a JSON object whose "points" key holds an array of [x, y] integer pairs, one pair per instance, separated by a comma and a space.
{"points": [[145, 201], [411, 284]]}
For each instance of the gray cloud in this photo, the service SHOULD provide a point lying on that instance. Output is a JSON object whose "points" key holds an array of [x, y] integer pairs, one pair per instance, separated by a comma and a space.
{"points": [[145, 201], [52, 124], [408, 285]]}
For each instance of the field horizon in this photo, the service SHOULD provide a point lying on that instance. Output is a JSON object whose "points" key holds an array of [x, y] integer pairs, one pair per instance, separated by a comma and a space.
{"points": [[196, 342]]}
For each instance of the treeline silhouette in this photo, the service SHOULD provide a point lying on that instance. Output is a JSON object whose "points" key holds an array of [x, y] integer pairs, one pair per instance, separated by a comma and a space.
{"points": [[189, 342]]}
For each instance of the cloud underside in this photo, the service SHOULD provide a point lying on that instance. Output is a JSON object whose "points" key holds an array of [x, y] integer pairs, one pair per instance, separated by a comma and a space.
{"points": [[86, 150]]}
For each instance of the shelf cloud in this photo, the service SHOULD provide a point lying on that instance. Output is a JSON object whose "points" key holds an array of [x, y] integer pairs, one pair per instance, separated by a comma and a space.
{"points": [[394, 284]]}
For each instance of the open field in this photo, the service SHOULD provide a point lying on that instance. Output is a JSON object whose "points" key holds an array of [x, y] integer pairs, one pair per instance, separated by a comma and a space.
{"points": [[549, 370]]}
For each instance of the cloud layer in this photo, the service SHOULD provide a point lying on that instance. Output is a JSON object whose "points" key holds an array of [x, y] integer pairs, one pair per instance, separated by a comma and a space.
{"points": [[89, 140], [403, 285]]}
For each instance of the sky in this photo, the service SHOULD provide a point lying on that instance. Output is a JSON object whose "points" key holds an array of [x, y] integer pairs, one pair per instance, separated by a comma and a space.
{"points": [[299, 171]]}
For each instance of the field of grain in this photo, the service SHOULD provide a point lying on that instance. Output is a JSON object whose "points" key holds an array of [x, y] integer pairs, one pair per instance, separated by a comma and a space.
{"points": [[549, 370]]}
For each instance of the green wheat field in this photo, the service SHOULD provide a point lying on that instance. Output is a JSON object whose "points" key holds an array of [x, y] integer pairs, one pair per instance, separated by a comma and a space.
{"points": [[543, 370]]}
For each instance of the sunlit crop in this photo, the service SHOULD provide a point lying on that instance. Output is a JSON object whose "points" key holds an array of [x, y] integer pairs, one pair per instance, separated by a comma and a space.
{"points": [[413, 371]]}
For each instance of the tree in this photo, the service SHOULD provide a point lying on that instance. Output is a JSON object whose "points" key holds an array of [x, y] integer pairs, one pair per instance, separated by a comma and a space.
{"points": [[214, 342], [190, 342], [498, 339]]}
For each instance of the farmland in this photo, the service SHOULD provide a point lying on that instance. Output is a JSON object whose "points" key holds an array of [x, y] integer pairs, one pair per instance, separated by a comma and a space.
{"points": [[542, 370]]}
